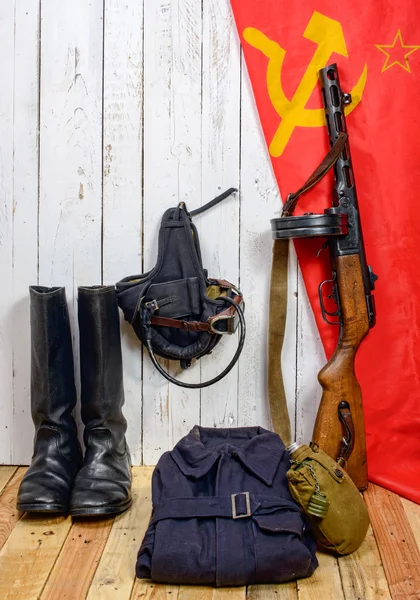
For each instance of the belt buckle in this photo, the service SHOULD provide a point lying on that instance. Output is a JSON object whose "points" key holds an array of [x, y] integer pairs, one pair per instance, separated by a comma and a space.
{"points": [[247, 502]]}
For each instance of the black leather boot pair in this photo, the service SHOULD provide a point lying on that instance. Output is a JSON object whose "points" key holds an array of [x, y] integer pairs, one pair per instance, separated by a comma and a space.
{"points": [[59, 479]]}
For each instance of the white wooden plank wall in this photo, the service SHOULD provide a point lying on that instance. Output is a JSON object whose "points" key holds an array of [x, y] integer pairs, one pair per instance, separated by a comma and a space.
{"points": [[112, 111]]}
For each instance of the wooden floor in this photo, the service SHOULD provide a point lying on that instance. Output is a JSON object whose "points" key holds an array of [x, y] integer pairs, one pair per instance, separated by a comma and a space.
{"points": [[61, 559]]}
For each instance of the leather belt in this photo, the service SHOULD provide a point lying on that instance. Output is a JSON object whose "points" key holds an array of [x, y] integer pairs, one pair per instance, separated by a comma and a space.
{"points": [[210, 326], [235, 506]]}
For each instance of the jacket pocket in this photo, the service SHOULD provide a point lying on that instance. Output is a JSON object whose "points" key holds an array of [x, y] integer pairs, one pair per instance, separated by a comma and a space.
{"points": [[184, 552], [280, 551], [285, 522]]}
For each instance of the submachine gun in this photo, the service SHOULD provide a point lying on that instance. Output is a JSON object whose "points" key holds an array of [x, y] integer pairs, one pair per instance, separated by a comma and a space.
{"points": [[339, 427]]}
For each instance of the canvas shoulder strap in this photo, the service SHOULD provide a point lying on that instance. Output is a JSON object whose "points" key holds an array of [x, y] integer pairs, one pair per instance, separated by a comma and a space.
{"points": [[278, 300]]}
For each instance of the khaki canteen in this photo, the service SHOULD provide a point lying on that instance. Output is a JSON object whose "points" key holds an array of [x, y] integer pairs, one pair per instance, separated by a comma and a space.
{"points": [[329, 498]]}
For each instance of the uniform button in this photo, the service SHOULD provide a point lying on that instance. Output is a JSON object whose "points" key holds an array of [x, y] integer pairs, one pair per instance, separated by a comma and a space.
{"points": [[339, 473]]}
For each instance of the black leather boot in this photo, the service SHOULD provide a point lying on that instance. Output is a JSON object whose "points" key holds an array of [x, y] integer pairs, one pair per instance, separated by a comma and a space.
{"points": [[57, 456], [103, 485]]}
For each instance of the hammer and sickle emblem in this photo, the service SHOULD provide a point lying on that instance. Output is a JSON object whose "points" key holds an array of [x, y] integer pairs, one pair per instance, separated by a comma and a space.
{"points": [[329, 37]]}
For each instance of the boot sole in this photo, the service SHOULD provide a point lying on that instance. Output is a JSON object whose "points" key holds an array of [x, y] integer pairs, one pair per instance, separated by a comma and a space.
{"points": [[42, 508], [95, 511]]}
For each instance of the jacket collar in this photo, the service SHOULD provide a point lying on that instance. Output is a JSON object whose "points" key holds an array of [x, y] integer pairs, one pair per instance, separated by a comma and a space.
{"points": [[258, 449]]}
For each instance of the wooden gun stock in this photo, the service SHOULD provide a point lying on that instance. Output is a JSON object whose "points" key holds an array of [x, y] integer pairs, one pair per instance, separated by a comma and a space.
{"points": [[338, 379]]}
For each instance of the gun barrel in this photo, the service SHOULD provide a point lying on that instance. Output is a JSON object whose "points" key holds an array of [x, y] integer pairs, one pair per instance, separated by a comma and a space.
{"points": [[334, 104]]}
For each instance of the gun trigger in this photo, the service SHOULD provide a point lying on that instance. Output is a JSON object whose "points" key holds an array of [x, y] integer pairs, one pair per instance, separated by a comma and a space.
{"points": [[323, 247], [335, 297]]}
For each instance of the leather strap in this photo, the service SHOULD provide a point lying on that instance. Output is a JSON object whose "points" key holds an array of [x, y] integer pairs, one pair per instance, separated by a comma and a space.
{"points": [[278, 300], [178, 324], [223, 283], [328, 162], [213, 202]]}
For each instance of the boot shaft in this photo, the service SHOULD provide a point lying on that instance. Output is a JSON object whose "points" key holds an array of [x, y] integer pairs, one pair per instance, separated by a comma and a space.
{"points": [[53, 392], [102, 393], [57, 455], [102, 486]]}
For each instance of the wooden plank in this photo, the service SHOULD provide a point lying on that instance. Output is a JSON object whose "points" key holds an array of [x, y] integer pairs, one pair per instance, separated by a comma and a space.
{"points": [[172, 172], [122, 182], [284, 591], [75, 568], [219, 227], [25, 216], [70, 212], [156, 148], [114, 577], [397, 545], [324, 584], [29, 554], [154, 591], [362, 572], [7, 25], [9, 515], [6, 473], [193, 592], [197, 592], [259, 203], [145, 589], [236, 593], [412, 510], [185, 140]]}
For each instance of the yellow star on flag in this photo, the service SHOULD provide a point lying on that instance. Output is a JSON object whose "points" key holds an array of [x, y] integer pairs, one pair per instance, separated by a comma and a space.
{"points": [[397, 54]]}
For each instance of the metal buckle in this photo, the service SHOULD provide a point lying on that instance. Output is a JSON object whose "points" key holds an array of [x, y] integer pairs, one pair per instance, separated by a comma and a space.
{"points": [[247, 502], [231, 320], [229, 327], [152, 305]]}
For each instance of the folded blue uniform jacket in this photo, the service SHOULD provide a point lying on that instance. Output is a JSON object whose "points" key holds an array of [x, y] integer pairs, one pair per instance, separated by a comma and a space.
{"points": [[223, 515]]}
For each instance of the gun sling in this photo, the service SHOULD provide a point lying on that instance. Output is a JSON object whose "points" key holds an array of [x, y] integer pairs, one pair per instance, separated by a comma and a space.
{"points": [[278, 300]]}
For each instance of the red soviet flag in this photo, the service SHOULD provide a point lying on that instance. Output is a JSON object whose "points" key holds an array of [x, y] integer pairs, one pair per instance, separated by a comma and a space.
{"points": [[377, 49]]}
